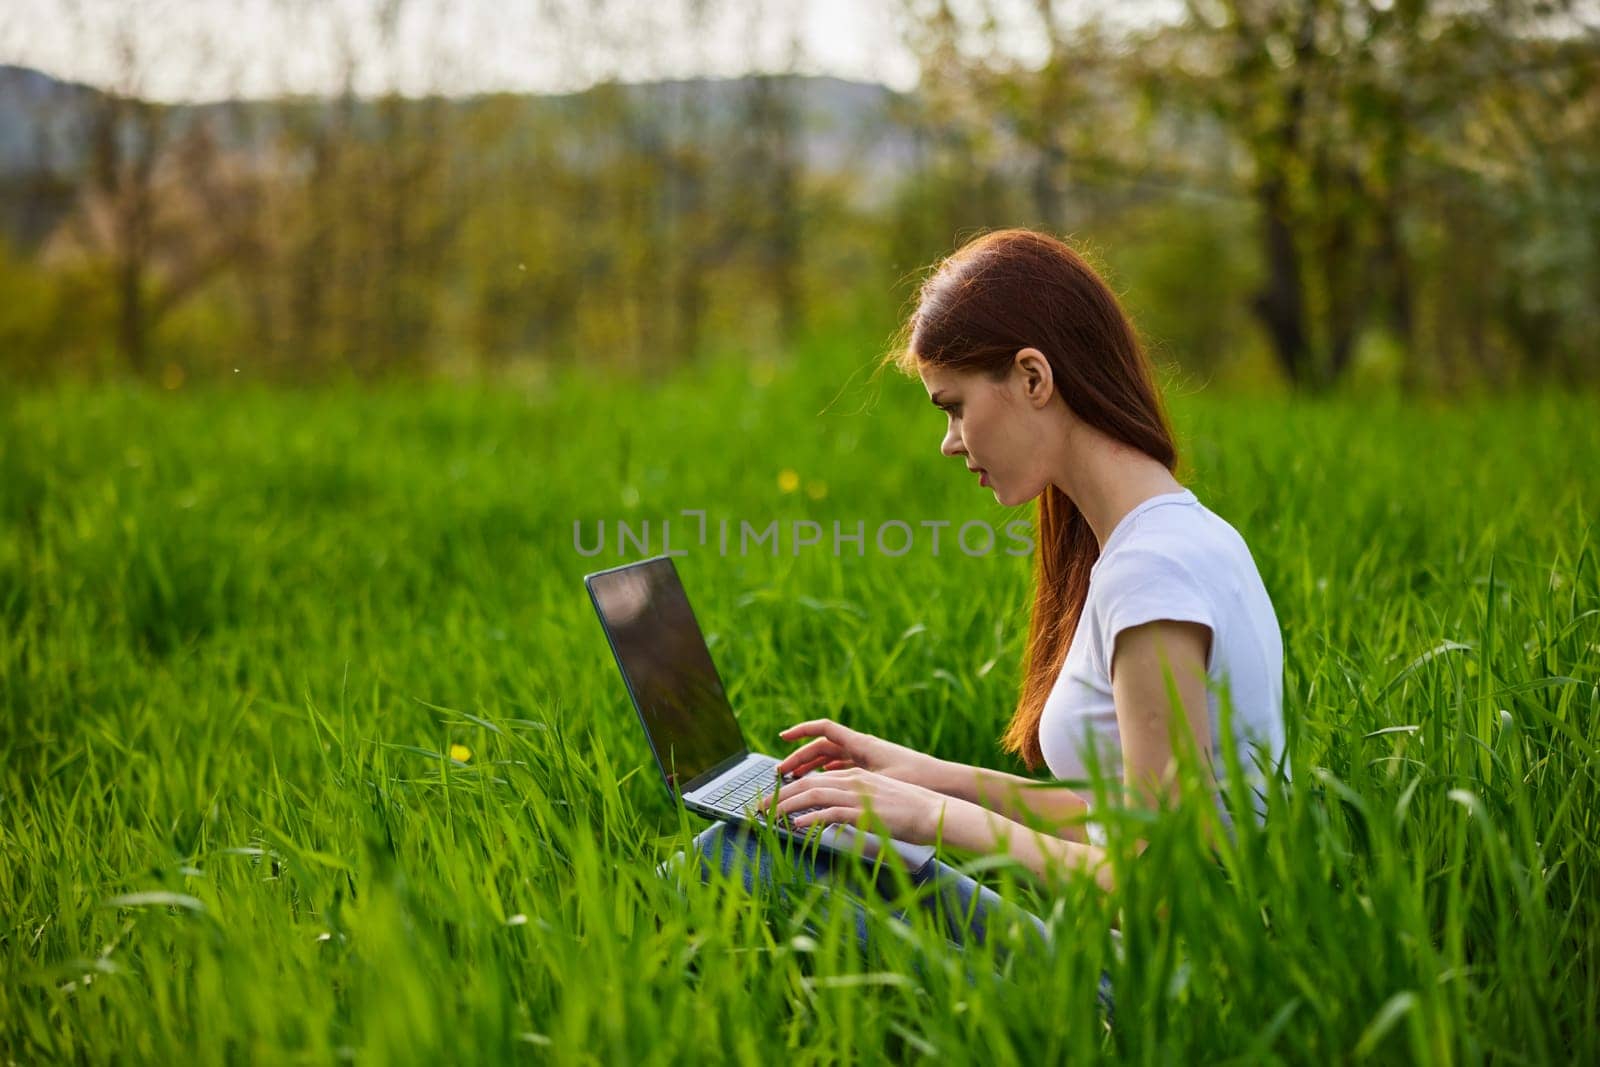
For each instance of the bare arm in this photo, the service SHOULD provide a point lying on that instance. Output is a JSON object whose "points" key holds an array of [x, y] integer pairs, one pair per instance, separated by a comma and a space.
{"points": [[1144, 709], [1158, 676], [968, 826], [833, 746], [1056, 808]]}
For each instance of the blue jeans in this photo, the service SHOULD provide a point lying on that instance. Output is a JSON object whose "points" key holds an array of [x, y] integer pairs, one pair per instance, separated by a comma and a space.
{"points": [[965, 910]]}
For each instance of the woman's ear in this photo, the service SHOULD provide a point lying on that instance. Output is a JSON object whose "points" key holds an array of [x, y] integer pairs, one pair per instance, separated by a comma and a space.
{"points": [[1037, 377]]}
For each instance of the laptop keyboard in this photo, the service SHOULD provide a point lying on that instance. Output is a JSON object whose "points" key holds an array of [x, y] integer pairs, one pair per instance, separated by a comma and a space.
{"points": [[751, 785], [754, 782]]}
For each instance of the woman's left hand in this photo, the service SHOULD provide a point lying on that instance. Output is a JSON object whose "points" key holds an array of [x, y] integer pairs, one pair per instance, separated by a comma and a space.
{"points": [[908, 812]]}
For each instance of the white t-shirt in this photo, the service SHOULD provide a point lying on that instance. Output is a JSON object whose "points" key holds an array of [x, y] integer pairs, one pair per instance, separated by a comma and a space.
{"points": [[1171, 558]]}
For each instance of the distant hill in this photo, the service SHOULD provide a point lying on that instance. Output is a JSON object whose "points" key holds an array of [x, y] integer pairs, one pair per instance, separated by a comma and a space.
{"points": [[847, 125], [844, 126], [41, 121]]}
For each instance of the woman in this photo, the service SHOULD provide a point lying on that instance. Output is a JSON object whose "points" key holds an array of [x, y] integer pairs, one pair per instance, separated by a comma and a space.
{"points": [[1049, 396]]}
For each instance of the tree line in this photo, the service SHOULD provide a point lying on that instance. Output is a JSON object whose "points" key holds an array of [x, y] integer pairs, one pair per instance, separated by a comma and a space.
{"points": [[1318, 183]]}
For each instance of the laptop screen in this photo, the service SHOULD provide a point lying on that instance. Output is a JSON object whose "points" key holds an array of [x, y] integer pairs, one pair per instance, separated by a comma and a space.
{"points": [[668, 668]]}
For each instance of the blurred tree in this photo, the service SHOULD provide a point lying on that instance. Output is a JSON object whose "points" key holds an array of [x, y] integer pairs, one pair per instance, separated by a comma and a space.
{"points": [[159, 205], [772, 206], [1345, 110], [361, 229]]}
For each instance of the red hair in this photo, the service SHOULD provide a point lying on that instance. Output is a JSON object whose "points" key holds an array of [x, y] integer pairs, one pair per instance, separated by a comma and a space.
{"points": [[1012, 289]]}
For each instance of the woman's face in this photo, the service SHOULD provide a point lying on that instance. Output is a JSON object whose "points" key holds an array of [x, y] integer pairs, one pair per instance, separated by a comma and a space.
{"points": [[1001, 429]]}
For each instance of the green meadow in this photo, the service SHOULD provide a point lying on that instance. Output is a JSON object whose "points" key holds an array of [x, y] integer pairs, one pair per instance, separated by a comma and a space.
{"points": [[314, 751]]}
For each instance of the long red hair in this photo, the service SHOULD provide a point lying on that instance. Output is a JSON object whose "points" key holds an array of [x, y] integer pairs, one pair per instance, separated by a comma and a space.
{"points": [[1012, 289]]}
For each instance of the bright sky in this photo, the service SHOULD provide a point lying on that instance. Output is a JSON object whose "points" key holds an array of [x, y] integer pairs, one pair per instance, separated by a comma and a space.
{"points": [[211, 49]]}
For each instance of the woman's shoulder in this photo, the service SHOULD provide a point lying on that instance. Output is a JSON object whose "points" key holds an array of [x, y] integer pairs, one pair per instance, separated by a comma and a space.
{"points": [[1188, 541]]}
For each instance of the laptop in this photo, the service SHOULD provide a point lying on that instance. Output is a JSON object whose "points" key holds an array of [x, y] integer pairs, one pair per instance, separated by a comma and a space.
{"points": [[684, 709]]}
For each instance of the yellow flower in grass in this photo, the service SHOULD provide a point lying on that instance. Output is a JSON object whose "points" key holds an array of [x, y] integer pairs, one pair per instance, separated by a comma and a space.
{"points": [[460, 752], [816, 490], [788, 480]]}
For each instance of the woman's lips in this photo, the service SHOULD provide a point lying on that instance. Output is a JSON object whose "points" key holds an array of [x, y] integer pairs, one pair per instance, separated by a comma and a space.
{"points": [[983, 476]]}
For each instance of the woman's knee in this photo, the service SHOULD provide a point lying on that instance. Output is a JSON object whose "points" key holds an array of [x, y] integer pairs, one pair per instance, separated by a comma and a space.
{"points": [[973, 912], [730, 848]]}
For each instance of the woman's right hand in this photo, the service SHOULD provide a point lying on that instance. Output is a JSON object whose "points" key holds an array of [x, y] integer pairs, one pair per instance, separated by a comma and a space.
{"points": [[837, 747]]}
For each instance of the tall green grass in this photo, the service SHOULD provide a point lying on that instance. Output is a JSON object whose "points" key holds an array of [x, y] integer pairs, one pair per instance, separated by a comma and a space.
{"points": [[240, 632]]}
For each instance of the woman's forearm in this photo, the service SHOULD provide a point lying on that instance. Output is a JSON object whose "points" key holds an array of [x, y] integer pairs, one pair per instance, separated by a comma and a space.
{"points": [[1022, 800], [967, 825]]}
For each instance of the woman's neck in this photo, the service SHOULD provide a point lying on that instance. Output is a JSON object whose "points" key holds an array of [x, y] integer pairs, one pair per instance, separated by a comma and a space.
{"points": [[1108, 479]]}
